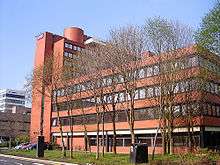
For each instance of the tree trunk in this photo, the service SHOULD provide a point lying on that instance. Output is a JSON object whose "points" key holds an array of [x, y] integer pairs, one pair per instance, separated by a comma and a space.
{"points": [[62, 139], [132, 136], [9, 144], [164, 143], [171, 144], [97, 138], [154, 144], [114, 130], [114, 139], [71, 137], [103, 136], [87, 142], [71, 145], [61, 131]]}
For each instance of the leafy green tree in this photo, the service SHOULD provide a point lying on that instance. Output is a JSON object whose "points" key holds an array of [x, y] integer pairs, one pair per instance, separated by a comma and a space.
{"points": [[208, 36]]}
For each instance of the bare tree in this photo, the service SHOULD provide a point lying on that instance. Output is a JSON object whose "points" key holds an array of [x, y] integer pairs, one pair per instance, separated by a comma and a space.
{"points": [[45, 80], [93, 67], [165, 38], [126, 45]]}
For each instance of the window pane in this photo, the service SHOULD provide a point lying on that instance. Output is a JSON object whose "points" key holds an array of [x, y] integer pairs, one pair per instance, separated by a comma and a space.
{"points": [[121, 97], [66, 54], [142, 93], [136, 94], [120, 79], [141, 73], [156, 70], [157, 91], [66, 45], [150, 92], [149, 71], [193, 61]]}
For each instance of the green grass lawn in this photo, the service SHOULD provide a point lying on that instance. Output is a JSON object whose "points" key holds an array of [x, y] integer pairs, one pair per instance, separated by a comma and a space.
{"points": [[120, 159], [78, 157]]}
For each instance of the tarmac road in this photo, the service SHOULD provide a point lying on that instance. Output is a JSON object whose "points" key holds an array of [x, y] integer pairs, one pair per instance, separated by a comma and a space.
{"points": [[13, 161]]}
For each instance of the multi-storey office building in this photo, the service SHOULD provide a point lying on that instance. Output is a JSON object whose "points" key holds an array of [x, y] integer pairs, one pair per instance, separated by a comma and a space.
{"points": [[201, 97], [11, 99]]}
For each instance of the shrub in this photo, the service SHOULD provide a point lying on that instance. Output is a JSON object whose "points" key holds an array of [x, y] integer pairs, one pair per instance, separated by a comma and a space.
{"points": [[22, 139]]}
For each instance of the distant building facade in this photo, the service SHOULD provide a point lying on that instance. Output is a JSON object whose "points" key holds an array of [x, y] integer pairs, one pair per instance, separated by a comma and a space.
{"points": [[14, 116], [11, 100]]}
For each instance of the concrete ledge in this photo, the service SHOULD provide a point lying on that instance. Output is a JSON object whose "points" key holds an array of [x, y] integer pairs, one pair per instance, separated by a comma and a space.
{"points": [[36, 160]]}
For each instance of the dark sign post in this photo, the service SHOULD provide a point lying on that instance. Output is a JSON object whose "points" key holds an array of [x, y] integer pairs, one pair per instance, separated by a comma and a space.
{"points": [[139, 153], [40, 146]]}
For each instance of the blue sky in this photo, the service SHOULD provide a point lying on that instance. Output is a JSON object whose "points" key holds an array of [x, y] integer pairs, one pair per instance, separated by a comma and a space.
{"points": [[22, 20]]}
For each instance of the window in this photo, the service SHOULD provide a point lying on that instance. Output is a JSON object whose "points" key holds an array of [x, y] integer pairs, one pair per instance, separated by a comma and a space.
{"points": [[58, 92], [208, 87], [157, 91], [128, 97], [176, 110], [184, 109], [176, 88], [150, 113], [69, 90], [109, 99], [108, 81], [209, 110], [54, 122], [54, 93], [150, 92], [215, 88], [68, 45], [193, 61], [66, 54], [142, 93], [181, 87], [62, 92], [141, 73], [67, 63], [104, 99], [83, 88], [218, 110], [136, 94], [182, 64], [70, 55], [156, 70], [104, 82], [213, 110], [116, 98], [120, 79], [74, 47], [205, 110], [149, 71], [121, 97]]}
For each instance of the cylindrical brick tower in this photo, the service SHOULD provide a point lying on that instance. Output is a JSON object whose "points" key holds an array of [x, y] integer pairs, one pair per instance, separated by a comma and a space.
{"points": [[74, 34]]}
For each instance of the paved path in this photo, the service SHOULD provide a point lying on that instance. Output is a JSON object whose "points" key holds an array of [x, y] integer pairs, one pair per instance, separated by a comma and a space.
{"points": [[15, 160]]}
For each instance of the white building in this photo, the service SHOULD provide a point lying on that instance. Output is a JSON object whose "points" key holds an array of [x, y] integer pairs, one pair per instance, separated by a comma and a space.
{"points": [[10, 100]]}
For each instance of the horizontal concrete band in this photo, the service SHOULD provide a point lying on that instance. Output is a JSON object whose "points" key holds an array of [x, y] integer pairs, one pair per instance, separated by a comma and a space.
{"points": [[141, 131], [214, 129]]}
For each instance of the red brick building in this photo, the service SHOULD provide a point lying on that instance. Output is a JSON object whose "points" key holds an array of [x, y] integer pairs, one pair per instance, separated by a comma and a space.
{"points": [[204, 101]]}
